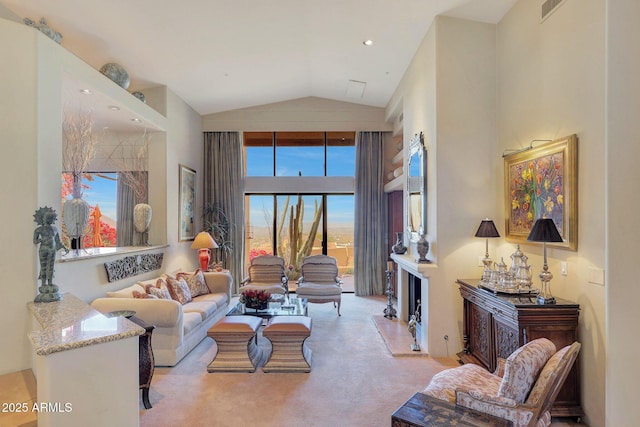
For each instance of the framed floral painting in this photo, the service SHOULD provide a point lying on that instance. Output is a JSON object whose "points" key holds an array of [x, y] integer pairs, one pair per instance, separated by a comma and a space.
{"points": [[542, 182], [187, 203]]}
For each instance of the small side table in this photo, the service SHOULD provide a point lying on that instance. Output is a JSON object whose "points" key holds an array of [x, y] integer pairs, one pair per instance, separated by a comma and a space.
{"points": [[146, 363], [426, 411]]}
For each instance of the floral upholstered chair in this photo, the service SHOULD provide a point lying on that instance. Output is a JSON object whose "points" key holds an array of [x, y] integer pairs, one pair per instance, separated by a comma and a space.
{"points": [[319, 282], [266, 273], [521, 390]]}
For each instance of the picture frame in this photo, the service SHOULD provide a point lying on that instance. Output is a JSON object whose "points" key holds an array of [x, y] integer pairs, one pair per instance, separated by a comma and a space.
{"points": [[187, 203], [543, 182]]}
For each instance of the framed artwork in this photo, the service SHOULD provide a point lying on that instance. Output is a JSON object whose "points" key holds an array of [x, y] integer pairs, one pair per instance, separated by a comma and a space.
{"points": [[187, 203], [542, 182]]}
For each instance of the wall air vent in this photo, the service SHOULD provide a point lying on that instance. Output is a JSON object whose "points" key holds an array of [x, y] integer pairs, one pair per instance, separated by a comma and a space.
{"points": [[550, 6]]}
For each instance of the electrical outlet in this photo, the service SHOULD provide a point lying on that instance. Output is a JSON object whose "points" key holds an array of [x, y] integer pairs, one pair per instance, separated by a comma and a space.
{"points": [[480, 258], [563, 268]]}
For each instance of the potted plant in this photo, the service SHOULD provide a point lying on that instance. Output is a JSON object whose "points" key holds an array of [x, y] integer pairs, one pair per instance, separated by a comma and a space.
{"points": [[217, 224], [255, 298]]}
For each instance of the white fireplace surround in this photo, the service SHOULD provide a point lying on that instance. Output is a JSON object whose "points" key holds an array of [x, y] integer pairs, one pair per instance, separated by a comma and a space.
{"points": [[407, 264]]}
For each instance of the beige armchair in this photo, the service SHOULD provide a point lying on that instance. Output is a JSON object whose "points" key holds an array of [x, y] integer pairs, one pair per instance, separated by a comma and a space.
{"points": [[267, 273], [521, 390], [319, 282]]}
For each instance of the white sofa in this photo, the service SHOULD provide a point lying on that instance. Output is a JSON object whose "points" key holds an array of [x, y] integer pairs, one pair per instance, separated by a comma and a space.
{"points": [[178, 328]]}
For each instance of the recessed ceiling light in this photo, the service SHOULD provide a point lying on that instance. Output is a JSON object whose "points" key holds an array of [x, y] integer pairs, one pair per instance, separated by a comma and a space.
{"points": [[85, 91], [368, 42], [136, 120], [114, 108]]}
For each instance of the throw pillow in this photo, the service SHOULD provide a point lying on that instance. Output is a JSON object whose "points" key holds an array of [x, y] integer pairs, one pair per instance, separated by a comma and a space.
{"points": [[179, 290], [126, 292], [159, 289], [143, 295], [196, 282]]}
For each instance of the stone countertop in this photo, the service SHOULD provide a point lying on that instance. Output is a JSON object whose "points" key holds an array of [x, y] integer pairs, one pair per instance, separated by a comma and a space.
{"points": [[71, 323]]}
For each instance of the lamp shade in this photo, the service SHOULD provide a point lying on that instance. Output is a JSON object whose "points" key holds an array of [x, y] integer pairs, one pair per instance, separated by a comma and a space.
{"points": [[544, 230], [487, 229], [203, 241]]}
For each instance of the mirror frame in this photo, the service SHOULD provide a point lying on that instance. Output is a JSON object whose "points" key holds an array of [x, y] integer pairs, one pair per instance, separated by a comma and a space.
{"points": [[417, 149]]}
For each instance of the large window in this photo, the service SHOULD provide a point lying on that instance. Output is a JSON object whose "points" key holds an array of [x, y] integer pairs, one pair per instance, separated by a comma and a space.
{"points": [[303, 225], [297, 218]]}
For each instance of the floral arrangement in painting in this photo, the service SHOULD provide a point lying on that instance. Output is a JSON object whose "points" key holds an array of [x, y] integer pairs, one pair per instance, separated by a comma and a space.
{"points": [[536, 191], [254, 298]]}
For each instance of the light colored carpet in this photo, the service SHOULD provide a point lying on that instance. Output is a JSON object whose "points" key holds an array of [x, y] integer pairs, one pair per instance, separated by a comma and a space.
{"points": [[354, 380]]}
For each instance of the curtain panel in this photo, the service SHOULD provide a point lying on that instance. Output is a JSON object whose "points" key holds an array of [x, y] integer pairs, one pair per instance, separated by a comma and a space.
{"points": [[125, 232], [223, 189], [370, 255]]}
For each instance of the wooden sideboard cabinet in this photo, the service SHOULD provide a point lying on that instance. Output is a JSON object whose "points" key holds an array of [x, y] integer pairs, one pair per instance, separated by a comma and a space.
{"points": [[494, 325]]}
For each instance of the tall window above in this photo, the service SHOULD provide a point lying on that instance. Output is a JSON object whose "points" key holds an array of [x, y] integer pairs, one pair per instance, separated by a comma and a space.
{"points": [[299, 153]]}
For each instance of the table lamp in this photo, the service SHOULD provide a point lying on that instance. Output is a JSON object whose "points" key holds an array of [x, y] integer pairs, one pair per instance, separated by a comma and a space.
{"points": [[204, 243], [544, 230], [487, 229]]}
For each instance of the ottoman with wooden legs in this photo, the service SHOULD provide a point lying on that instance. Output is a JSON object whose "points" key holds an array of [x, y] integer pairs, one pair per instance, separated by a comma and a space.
{"points": [[290, 352], [237, 344]]}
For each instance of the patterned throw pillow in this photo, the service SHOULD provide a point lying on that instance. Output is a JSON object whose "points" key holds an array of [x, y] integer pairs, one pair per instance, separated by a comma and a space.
{"points": [[179, 290], [143, 295], [159, 290], [196, 282]]}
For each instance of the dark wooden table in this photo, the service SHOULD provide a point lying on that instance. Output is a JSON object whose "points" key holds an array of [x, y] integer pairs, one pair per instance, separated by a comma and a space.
{"points": [[426, 411], [146, 362]]}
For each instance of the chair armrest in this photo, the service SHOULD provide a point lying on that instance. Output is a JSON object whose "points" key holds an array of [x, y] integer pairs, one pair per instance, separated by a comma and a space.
{"points": [[162, 313]]}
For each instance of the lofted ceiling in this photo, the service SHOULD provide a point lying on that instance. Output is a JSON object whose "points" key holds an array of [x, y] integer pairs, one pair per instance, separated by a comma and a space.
{"points": [[220, 55]]}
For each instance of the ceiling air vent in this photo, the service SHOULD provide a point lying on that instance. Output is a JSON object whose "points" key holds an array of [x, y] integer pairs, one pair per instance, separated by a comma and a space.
{"points": [[550, 6]]}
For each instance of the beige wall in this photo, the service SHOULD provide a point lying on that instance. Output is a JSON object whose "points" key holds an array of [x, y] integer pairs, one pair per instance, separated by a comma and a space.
{"points": [[551, 84], [622, 144], [448, 93]]}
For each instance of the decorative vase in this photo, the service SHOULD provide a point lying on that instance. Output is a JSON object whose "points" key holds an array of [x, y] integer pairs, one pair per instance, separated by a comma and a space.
{"points": [[257, 305], [76, 217], [117, 74], [399, 247], [142, 213], [422, 246]]}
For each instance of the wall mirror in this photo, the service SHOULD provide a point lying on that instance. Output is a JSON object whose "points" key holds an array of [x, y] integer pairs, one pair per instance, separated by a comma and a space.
{"points": [[417, 188]]}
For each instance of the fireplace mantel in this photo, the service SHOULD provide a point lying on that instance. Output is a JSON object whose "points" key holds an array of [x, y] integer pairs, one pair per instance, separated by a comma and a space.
{"points": [[407, 265]]}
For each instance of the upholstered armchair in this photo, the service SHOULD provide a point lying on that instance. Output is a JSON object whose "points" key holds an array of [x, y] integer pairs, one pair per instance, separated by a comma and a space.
{"points": [[521, 390], [267, 273], [319, 282]]}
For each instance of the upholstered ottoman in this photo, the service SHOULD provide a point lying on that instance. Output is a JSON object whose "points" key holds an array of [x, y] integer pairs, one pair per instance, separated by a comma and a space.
{"points": [[290, 352], [237, 348]]}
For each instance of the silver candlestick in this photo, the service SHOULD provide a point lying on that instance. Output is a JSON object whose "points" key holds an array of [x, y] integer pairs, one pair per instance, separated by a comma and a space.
{"points": [[389, 311]]}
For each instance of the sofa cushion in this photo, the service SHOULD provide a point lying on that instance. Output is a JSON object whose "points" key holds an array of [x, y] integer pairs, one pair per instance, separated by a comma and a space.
{"points": [[217, 297], [549, 370], [190, 321], [196, 282], [126, 292], [179, 290], [204, 308], [522, 368]]}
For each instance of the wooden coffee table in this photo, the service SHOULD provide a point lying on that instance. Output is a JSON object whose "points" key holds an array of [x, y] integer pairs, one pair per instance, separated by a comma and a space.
{"points": [[426, 411]]}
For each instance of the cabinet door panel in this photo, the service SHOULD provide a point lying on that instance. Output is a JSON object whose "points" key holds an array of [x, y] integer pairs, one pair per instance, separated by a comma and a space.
{"points": [[480, 336], [506, 339]]}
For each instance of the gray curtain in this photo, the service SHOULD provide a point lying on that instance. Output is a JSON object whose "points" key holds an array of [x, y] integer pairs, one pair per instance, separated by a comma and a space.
{"points": [[370, 255], [223, 188], [125, 231]]}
